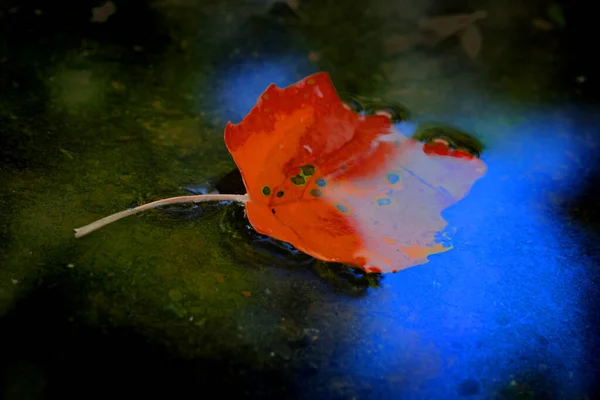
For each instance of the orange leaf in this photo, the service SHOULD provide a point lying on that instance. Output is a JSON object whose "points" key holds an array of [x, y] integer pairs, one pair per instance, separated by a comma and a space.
{"points": [[342, 186]]}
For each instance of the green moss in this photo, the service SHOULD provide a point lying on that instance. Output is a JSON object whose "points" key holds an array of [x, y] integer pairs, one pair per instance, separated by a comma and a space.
{"points": [[345, 39]]}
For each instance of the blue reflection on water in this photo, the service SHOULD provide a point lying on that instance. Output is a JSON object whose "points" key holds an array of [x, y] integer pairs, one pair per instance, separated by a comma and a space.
{"points": [[241, 84], [506, 303]]}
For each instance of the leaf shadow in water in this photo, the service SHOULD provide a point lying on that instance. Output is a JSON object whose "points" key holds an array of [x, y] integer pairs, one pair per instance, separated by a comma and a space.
{"points": [[254, 249]]}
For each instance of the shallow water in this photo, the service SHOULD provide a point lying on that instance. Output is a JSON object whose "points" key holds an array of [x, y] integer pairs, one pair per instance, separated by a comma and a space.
{"points": [[98, 117]]}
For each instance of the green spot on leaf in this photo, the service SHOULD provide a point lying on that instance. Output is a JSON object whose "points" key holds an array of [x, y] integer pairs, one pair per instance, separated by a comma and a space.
{"points": [[308, 170], [298, 180], [393, 178], [384, 201], [342, 208]]}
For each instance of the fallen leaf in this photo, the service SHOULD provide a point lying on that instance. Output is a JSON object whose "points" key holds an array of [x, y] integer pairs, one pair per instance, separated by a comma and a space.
{"points": [[338, 185]]}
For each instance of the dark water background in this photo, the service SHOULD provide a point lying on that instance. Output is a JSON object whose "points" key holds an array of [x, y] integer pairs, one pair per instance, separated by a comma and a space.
{"points": [[97, 117]]}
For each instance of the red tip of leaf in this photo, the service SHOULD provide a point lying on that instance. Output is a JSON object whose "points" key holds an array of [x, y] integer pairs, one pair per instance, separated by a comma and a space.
{"points": [[438, 148], [441, 149]]}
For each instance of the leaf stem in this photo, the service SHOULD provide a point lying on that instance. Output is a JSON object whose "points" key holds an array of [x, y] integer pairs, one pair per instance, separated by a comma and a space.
{"points": [[80, 232]]}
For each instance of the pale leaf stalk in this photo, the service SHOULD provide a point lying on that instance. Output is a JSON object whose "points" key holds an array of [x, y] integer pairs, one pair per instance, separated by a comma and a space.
{"points": [[80, 232]]}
